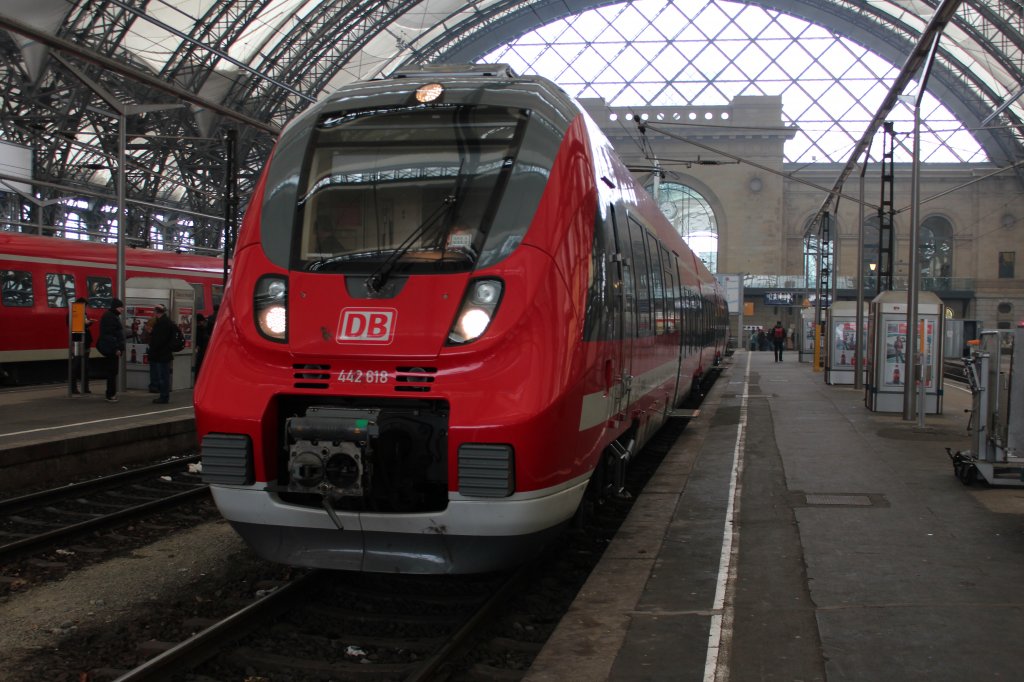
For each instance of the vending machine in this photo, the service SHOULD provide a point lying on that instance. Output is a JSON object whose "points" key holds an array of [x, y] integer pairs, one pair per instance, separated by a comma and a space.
{"points": [[841, 329], [888, 371]]}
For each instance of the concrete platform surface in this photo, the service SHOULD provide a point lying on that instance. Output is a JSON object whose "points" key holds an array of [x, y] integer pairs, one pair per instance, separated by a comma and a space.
{"points": [[791, 534], [48, 438]]}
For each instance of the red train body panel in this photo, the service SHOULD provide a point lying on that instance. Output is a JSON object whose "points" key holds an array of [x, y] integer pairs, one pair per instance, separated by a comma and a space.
{"points": [[352, 416], [39, 276]]}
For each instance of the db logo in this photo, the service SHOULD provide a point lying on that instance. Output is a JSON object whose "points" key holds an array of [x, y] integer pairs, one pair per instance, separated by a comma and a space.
{"points": [[367, 325]]}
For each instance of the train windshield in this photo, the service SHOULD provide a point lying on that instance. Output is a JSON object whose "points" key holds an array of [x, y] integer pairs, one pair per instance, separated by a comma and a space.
{"points": [[410, 190]]}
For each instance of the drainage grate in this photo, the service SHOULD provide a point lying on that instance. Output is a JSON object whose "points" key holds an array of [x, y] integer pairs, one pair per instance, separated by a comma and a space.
{"points": [[847, 500]]}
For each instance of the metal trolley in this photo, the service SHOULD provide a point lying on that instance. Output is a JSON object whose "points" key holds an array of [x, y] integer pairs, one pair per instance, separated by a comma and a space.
{"points": [[997, 411]]}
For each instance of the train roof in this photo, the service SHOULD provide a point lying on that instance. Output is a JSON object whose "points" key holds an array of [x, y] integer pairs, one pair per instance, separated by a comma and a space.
{"points": [[33, 247]]}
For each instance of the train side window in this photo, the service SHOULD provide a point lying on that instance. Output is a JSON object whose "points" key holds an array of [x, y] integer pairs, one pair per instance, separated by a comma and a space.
{"points": [[60, 289], [16, 289], [692, 312], [217, 291], [668, 262], [641, 279], [598, 320], [200, 303], [657, 284], [101, 291]]}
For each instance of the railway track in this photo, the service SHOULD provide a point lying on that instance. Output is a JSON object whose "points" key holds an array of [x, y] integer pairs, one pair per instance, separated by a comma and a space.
{"points": [[342, 626], [345, 626], [42, 519], [263, 621]]}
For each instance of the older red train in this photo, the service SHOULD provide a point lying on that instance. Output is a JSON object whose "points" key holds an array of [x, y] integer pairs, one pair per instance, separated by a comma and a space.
{"points": [[40, 276], [453, 312]]}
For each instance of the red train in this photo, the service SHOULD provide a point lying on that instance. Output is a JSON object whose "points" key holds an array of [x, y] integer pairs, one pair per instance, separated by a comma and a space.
{"points": [[40, 276], [453, 312]]}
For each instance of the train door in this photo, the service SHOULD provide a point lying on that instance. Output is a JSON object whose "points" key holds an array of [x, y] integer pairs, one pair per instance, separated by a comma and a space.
{"points": [[623, 304]]}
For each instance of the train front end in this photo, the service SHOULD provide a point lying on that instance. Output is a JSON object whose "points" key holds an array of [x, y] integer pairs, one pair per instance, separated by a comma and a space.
{"points": [[396, 358]]}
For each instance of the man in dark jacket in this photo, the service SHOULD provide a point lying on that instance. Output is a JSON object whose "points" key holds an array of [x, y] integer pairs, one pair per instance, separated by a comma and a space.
{"points": [[111, 345], [161, 353]]}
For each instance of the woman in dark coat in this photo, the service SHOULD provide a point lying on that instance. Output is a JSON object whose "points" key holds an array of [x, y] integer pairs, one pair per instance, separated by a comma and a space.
{"points": [[111, 345]]}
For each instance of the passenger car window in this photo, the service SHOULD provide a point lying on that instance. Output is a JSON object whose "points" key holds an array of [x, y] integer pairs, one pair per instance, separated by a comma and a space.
{"points": [[16, 289], [101, 292], [60, 289], [200, 303]]}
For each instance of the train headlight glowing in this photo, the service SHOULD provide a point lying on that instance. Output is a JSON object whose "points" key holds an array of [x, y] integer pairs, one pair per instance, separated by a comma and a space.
{"points": [[473, 323], [270, 307], [477, 311]]}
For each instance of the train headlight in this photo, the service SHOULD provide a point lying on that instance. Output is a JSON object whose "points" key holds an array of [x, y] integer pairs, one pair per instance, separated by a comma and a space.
{"points": [[270, 307], [477, 311]]}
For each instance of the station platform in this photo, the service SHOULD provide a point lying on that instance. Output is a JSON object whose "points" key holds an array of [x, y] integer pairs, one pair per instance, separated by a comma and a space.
{"points": [[791, 534], [48, 438]]}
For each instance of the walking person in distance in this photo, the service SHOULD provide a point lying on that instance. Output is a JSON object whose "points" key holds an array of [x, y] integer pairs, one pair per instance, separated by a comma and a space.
{"points": [[778, 336]]}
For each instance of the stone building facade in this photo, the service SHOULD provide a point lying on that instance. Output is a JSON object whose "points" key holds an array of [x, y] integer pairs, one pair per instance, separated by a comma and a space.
{"points": [[764, 209]]}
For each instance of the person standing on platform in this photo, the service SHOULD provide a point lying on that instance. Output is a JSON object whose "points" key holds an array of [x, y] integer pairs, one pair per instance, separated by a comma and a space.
{"points": [[778, 335], [147, 329], [161, 353], [202, 337], [111, 345], [211, 321]]}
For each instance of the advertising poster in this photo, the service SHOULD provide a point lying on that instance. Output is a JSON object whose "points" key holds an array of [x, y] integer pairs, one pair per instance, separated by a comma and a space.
{"points": [[184, 322], [844, 334], [896, 351], [136, 334]]}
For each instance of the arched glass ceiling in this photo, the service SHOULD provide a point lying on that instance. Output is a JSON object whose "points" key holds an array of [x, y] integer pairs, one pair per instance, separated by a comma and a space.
{"points": [[266, 60], [673, 53]]}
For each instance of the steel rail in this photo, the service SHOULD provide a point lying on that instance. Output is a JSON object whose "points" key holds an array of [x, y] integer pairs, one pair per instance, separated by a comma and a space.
{"points": [[200, 646], [12, 504], [100, 521]]}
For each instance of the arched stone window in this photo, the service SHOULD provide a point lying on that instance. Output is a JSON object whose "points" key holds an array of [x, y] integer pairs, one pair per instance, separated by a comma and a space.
{"points": [[694, 219], [871, 263], [935, 247]]}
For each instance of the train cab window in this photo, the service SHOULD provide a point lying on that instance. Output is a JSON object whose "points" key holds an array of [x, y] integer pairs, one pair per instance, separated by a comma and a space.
{"points": [[101, 291], [16, 289], [200, 303], [60, 289], [409, 190]]}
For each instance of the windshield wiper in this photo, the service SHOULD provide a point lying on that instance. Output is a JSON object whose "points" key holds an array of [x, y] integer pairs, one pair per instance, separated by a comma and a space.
{"points": [[380, 276]]}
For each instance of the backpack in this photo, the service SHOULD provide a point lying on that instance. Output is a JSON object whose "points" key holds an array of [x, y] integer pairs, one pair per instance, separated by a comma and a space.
{"points": [[178, 344], [779, 333]]}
